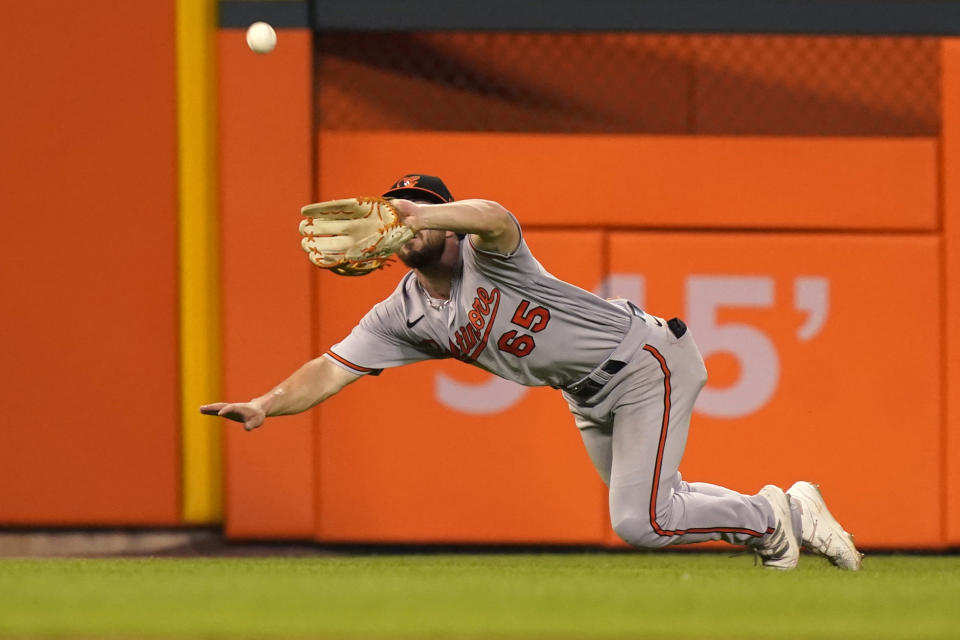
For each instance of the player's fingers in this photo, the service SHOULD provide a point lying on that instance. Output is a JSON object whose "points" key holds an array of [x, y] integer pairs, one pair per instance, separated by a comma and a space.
{"points": [[406, 211], [212, 409], [231, 411]]}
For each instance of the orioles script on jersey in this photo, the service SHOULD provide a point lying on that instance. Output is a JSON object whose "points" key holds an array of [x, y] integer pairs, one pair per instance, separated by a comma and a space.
{"points": [[474, 334]]}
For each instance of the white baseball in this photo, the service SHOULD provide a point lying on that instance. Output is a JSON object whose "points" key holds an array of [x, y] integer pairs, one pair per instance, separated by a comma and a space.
{"points": [[261, 38]]}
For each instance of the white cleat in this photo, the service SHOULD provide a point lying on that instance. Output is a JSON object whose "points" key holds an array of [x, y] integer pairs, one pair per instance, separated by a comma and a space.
{"points": [[780, 549], [822, 534]]}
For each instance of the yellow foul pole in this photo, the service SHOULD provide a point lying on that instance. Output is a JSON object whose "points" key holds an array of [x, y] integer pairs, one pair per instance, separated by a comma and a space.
{"points": [[200, 369]]}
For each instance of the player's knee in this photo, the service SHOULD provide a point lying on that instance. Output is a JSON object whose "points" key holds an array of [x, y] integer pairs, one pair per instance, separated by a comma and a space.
{"points": [[637, 530], [633, 522]]}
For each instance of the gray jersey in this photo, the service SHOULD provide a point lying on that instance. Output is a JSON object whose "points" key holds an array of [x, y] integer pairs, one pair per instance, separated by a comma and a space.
{"points": [[506, 315]]}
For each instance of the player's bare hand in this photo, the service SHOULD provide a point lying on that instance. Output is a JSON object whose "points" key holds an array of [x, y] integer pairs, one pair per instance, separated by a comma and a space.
{"points": [[408, 212], [249, 413]]}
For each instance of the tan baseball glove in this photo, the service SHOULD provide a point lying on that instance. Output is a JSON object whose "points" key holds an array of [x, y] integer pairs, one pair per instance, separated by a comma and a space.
{"points": [[352, 237]]}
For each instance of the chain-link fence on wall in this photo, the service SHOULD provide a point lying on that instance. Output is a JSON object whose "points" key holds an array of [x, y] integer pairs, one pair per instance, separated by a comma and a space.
{"points": [[629, 83]]}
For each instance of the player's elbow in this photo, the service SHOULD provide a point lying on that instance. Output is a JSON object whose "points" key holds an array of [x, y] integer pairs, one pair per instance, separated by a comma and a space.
{"points": [[499, 225], [492, 216]]}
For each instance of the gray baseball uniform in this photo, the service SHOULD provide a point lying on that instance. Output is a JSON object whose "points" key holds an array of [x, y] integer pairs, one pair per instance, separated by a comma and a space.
{"points": [[628, 378]]}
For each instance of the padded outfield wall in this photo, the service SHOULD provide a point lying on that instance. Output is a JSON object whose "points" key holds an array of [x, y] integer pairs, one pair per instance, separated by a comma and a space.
{"points": [[791, 194]]}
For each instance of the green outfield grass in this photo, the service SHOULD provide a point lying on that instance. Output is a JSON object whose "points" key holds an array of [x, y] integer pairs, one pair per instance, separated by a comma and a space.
{"points": [[663, 595]]}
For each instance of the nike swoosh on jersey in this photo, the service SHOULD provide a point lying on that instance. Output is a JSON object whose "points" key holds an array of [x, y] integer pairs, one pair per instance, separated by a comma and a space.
{"points": [[411, 325]]}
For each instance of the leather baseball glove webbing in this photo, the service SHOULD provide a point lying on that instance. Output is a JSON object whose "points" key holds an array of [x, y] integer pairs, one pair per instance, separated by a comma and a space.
{"points": [[354, 236]]}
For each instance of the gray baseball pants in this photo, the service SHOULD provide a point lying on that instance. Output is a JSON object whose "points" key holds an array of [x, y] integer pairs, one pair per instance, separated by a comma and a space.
{"points": [[635, 431]]}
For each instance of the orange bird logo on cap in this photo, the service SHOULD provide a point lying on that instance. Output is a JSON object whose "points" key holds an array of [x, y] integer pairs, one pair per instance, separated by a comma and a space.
{"points": [[407, 181]]}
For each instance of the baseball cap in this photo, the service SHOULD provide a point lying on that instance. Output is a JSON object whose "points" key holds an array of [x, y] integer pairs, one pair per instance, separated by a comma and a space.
{"points": [[420, 186]]}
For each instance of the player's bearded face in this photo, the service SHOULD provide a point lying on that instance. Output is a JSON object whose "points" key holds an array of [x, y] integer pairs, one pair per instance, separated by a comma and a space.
{"points": [[423, 249]]}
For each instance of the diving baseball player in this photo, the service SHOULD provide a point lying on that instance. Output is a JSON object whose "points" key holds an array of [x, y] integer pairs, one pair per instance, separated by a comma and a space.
{"points": [[476, 293]]}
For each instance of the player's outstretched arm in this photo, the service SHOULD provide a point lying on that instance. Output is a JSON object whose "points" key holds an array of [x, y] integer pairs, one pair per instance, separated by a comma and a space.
{"points": [[492, 226], [309, 385]]}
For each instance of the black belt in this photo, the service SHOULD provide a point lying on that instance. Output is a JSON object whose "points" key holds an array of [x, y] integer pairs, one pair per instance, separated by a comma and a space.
{"points": [[597, 379]]}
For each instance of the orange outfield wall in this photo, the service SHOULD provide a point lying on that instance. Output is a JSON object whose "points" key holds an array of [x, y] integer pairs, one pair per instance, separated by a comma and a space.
{"points": [[473, 471], [658, 181], [437, 472], [88, 274], [265, 160], [823, 356], [951, 318]]}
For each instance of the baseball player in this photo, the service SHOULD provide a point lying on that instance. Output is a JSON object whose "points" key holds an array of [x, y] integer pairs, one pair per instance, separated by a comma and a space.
{"points": [[476, 293]]}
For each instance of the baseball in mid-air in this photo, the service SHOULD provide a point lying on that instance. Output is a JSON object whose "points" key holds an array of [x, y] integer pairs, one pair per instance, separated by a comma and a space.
{"points": [[261, 38]]}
